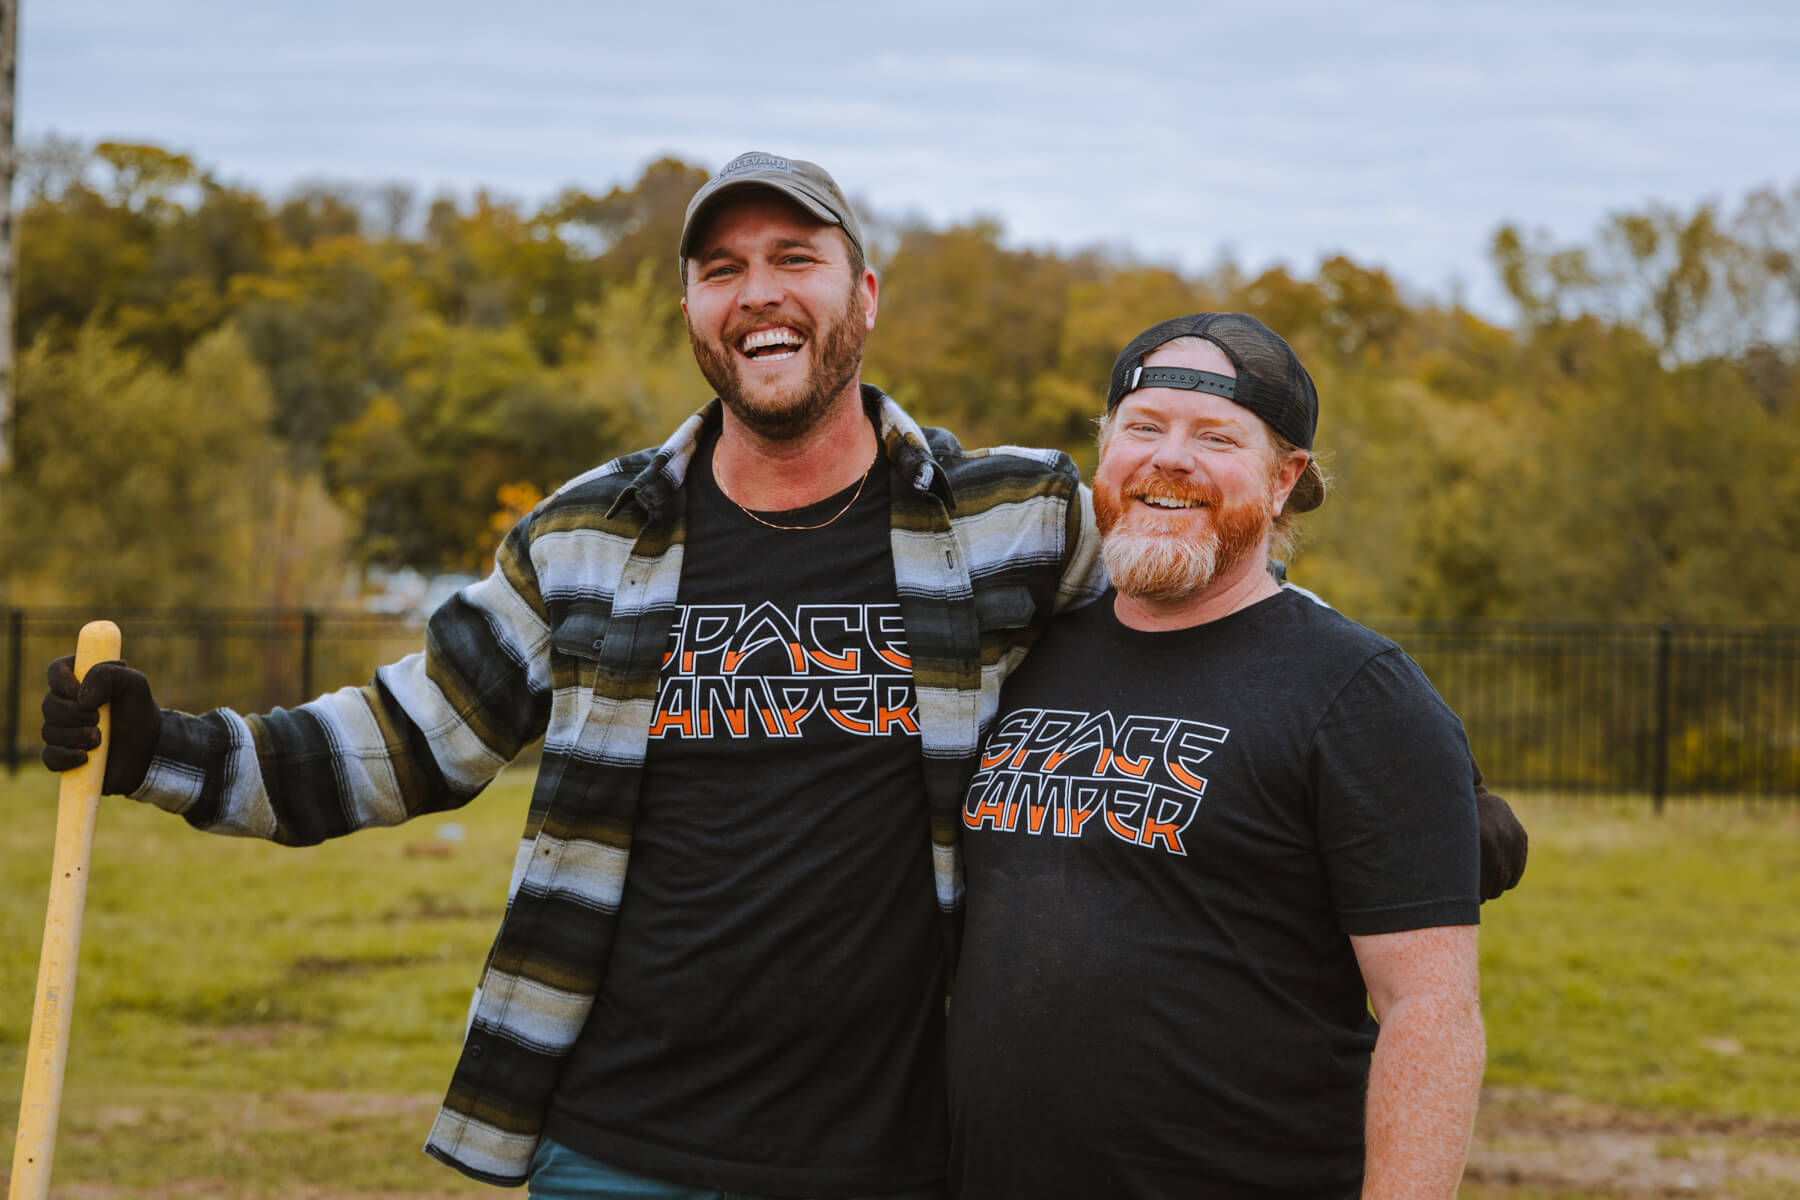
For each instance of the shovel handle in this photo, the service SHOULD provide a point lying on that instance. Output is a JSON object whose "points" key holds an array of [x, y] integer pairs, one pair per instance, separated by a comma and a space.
{"points": [[47, 1053]]}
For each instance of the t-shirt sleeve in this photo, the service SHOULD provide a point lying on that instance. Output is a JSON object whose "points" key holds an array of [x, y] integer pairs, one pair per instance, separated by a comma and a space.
{"points": [[1396, 803]]}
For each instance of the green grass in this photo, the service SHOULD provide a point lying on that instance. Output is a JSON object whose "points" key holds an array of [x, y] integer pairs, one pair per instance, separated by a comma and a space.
{"points": [[250, 1013], [1651, 962], [257, 1021]]}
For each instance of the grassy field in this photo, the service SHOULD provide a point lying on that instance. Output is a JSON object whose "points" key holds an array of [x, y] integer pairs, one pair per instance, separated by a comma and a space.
{"points": [[1642, 997], [252, 1018], [253, 1021]]}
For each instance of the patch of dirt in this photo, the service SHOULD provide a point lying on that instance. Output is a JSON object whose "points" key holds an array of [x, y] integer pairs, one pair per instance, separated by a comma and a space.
{"points": [[1533, 1142], [1526, 1144], [258, 1035], [429, 906], [361, 1104], [312, 964]]}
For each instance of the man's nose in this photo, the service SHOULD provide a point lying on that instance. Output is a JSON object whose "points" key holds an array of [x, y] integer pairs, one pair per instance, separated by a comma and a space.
{"points": [[761, 287], [1173, 454]]}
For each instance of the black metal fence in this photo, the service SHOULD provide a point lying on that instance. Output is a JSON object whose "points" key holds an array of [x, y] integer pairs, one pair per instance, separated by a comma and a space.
{"points": [[248, 659], [1660, 711]]}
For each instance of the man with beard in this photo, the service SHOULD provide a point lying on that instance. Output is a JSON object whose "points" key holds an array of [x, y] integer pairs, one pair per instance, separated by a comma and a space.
{"points": [[1215, 822], [761, 658]]}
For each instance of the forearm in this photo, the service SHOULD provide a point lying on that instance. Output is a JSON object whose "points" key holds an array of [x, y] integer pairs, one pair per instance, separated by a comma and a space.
{"points": [[427, 734], [346, 761], [1424, 1083]]}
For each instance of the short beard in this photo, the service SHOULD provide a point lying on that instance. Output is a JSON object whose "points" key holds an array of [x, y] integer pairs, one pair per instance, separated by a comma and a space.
{"points": [[836, 362], [1165, 567]]}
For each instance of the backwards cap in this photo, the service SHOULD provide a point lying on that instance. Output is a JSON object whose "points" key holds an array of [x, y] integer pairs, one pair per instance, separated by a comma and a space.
{"points": [[1270, 382]]}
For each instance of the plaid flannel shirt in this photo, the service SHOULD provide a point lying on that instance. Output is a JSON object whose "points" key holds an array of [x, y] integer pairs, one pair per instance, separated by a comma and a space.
{"points": [[564, 640]]}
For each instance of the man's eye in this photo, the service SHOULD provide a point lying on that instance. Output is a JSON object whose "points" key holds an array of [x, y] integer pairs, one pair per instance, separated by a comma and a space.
{"points": [[718, 272]]}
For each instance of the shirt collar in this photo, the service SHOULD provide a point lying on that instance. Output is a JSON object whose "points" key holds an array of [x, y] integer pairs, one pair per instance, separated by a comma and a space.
{"points": [[913, 462]]}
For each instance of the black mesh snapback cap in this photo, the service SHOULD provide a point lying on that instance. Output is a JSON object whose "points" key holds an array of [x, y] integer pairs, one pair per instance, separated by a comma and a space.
{"points": [[807, 184], [1270, 382]]}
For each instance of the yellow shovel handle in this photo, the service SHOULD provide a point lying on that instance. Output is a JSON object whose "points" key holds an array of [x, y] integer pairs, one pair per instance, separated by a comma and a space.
{"points": [[47, 1053]]}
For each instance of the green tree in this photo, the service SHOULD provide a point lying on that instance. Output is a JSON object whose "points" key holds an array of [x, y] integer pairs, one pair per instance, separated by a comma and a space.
{"points": [[631, 375], [1100, 315], [966, 325], [324, 320], [474, 411], [495, 265], [629, 227], [134, 484]]}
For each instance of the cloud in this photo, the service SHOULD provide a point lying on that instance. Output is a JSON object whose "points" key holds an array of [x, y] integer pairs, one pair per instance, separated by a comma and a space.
{"points": [[1403, 132]]}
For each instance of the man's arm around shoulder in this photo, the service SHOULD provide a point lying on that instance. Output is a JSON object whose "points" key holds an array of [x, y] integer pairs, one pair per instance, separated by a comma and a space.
{"points": [[1084, 573], [1425, 1079]]}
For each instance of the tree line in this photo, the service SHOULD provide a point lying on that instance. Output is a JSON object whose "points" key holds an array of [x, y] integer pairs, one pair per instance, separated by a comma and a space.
{"points": [[224, 397]]}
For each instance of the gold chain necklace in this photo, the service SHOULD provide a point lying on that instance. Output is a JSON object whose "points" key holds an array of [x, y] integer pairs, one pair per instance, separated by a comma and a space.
{"points": [[822, 524]]}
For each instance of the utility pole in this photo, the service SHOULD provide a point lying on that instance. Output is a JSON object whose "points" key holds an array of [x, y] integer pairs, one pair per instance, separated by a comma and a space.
{"points": [[9, 42]]}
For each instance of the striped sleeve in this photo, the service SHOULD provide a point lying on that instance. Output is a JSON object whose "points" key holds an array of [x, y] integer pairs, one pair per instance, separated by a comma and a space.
{"points": [[425, 735], [1084, 574]]}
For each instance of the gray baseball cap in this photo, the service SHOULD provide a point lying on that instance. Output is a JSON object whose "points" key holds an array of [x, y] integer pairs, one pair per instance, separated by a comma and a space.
{"points": [[807, 184]]}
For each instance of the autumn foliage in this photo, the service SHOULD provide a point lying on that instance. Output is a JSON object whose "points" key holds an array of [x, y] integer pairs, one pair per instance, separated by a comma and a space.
{"points": [[227, 398]]}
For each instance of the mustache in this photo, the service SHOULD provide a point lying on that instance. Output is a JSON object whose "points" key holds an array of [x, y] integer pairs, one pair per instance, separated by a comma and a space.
{"points": [[1160, 487]]}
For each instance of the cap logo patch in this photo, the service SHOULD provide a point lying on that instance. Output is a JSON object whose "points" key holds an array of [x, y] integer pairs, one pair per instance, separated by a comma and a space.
{"points": [[743, 164]]}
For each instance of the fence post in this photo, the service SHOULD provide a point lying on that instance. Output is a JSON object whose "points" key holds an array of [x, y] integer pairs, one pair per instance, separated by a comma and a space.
{"points": [[309, 632], [15, 652], [1660, 785]]}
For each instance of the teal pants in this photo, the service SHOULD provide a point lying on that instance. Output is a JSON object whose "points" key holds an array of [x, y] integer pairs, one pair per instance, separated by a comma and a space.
{"points": [[559, 1173]]}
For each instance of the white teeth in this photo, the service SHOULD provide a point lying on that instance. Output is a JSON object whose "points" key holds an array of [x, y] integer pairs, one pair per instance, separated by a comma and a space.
{"points": [[770, 337], [1165, 502]]}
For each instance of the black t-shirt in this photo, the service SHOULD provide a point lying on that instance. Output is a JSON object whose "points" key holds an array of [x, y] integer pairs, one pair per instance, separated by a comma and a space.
{"points": [[1167, 842], [771, 1017]]}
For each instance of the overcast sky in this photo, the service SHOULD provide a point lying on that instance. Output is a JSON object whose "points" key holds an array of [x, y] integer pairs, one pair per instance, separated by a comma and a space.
{"points": [[1400, 133]]}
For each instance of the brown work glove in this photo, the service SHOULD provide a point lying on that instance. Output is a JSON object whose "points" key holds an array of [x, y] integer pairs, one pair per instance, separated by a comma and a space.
{"points": [[1504, 842], [72, 721]]}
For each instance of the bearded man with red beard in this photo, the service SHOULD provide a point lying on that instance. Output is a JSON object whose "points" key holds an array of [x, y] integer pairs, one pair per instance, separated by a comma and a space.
{"points": [[1215, 822]]}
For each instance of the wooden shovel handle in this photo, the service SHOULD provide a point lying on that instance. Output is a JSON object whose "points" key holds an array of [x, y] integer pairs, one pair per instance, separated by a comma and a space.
{"points": [[47, 1053]]}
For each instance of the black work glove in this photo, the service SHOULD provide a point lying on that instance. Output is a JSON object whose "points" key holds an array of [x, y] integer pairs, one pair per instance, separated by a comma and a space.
{"points": [[72, 721], [1503, 842]]}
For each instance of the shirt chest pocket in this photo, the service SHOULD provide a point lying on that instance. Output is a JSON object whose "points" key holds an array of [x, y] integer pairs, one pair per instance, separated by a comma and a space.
{"points": [[578, 640], [1005, 608]]}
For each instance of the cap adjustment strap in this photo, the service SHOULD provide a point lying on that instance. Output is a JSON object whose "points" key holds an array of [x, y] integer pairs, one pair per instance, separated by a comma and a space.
{"points": [[1185, 379]]}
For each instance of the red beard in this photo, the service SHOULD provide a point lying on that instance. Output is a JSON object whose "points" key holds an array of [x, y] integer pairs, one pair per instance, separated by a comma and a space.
{"points": [[1171, 561]]}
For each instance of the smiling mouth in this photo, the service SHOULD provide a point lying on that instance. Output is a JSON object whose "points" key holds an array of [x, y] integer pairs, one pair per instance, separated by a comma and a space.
{"points": [[771, 344], [1167, 497]]}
